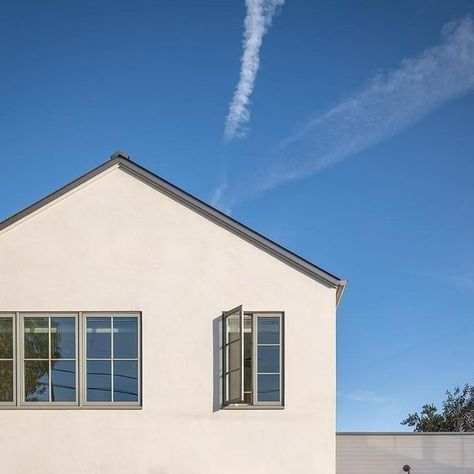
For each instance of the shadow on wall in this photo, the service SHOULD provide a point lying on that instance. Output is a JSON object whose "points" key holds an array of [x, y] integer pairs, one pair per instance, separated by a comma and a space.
{"points": [[217, 364]]}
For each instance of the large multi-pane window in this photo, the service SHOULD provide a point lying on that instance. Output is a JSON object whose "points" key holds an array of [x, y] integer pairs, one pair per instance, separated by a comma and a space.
{"points": [[70, 359], [252, 358]]}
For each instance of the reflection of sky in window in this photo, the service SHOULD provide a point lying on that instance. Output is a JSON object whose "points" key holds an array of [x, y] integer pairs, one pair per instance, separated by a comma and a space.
{"points": [[63, 381], [113, 343]]}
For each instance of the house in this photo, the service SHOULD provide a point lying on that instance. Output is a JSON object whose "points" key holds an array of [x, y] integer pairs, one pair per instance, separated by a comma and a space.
{"points": [[143, 331]]}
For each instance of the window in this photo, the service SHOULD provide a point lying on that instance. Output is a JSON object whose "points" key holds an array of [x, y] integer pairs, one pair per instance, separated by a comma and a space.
{"points": [[49, 365], [112, 358], [70, 359], [252, 358]]}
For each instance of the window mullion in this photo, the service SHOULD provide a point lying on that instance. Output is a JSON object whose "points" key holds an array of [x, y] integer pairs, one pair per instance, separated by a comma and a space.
{"points": [[19, 367], [242, 355], [81, 359], [255, 360], [112, 359], [50, 394], [16, 361]]}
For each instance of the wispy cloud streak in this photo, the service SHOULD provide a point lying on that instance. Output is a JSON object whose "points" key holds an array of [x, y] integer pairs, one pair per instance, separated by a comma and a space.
{"points": [[363, 396], [257, 21], [387, 104]]}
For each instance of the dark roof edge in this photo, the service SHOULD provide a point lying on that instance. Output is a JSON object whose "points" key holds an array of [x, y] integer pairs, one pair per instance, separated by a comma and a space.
{"points": [[403, 433], [197, 205], [55, 195]]}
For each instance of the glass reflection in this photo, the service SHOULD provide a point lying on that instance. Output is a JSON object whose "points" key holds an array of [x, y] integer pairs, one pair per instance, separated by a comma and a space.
{"points": [[233, 385], [125, 381], [269, 359], [233, 327], [36, 380], [63, 381], [98, 338], [269, 388], [36, 338], [125, 338], [63, 338], [99, 381], [6, 380], [6, 338], [268, 330]]}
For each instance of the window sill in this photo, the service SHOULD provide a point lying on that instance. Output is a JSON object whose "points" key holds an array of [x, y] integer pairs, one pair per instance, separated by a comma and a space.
{"points": [[254, 407], [71, 407]]}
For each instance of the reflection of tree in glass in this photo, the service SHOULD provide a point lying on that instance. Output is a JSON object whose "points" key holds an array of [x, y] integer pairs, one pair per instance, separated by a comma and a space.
{"points": [[6, 381], [56, 335], [36, 347], [6, 366]]}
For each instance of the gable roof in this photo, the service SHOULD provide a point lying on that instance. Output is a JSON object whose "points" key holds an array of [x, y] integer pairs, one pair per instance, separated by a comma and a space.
{"points": [[123, 162]]}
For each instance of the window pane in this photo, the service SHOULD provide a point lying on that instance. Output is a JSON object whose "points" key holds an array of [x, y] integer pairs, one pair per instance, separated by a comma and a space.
{"points": [[268, 330], [233, 327], [36, 380], [125, 381], [6, 380], [63, 338], [233, 386], [99, 381], [125, 338], [63, 381], [36, 338], [269, 359], [268, 388], [6, 338], [233, 356], [98, 338]]}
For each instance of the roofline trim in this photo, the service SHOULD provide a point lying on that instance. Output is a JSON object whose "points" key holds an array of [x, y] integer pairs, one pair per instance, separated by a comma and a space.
{"points": [[198, 206], [404, 433]]}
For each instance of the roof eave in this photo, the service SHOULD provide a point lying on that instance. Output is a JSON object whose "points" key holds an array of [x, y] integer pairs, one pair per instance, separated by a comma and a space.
{"points": [[197, 205]]}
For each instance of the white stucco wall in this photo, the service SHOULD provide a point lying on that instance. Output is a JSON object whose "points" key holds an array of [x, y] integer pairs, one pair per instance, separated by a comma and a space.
{"points": [[118, 244], [387, 453]]}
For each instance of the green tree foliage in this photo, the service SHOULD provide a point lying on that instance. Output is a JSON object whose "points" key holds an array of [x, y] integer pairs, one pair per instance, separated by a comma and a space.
{"points": [[457, 413]]}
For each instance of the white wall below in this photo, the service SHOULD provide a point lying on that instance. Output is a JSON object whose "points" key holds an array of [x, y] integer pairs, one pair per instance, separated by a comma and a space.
{"points": [[387, 453]]}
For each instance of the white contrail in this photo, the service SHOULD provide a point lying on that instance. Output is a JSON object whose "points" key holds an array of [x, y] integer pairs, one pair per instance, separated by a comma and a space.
{"points": [[257, 21], [389, 103]]}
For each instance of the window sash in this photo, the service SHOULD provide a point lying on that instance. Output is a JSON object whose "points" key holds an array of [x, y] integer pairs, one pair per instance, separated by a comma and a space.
{"points": [[257, 372], [12, 316], [111, 360], [227, 346], [22, 372]]}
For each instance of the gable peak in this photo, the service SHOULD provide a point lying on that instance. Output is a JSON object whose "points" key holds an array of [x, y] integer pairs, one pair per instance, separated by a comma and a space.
{"points": [[119, 154]]}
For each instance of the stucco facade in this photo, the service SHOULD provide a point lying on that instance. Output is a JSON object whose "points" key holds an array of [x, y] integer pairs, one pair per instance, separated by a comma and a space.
{"points": [[115, 243]]}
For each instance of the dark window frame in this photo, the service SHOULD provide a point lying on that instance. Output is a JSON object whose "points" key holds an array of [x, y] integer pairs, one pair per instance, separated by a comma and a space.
{"points": [[255, 403], [80, 362]]}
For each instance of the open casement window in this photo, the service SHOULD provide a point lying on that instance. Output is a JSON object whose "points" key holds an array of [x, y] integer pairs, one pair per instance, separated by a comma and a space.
{"points": [[232, 323], [252, 358]]}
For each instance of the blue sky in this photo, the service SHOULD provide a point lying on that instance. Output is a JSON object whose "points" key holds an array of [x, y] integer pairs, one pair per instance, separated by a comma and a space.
{"points": [[349, 158]]}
